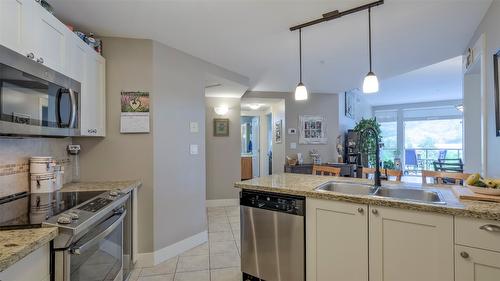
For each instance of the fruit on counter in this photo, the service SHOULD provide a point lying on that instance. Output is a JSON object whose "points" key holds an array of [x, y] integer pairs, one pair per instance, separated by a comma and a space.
{"points": [[490, 183], [473, 179]]}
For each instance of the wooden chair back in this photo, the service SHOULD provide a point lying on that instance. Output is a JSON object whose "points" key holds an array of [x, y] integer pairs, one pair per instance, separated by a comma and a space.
{"points": [[325, 170], [366, 172], [439, 177]]}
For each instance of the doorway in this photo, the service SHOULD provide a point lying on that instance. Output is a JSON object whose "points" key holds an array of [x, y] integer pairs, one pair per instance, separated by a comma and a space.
{"points": [[250, 144]]}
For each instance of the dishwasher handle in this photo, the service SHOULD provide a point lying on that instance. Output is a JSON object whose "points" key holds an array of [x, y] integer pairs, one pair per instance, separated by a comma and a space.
{"points": [[293, 205]]}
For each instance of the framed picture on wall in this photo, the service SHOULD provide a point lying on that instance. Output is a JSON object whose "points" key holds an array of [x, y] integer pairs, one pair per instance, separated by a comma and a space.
{"points": [[312, 130], [278, 131], [221, 127], [350, 102]]}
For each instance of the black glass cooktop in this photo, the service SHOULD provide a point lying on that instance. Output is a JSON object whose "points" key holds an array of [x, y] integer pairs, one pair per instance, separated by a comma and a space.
{"points": [[25, 210]]}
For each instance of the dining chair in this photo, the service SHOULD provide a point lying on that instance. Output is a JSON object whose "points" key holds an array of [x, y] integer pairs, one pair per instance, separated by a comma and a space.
{"points": [[441, 177], [326, 170], [397, 174]]}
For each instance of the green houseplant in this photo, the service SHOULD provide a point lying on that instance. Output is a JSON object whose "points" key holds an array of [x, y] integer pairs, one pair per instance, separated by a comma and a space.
{"points": [[368, 144]]}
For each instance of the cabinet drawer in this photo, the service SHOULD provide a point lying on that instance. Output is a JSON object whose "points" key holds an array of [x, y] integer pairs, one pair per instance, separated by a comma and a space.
{"points": [[484, 234]]}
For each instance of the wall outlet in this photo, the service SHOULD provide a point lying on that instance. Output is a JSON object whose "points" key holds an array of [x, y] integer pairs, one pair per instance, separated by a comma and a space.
{"points": [[194, 127], [292, 131], [293, 145], [193, 149]]}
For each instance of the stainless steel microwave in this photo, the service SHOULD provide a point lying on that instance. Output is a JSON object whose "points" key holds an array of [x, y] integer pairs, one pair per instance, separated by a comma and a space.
{"points": [[36, 100]]}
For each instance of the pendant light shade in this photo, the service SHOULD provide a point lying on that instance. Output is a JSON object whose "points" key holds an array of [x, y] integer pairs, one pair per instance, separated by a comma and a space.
{"points": [[300, 91], [370, 85]]}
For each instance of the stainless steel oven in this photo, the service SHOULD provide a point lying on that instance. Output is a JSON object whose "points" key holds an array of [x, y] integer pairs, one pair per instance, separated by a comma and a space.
{"points": [[35, 100]]}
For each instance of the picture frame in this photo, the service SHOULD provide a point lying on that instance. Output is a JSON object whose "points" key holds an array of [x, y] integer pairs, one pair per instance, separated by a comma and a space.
{"points": [[278, 131], [312, 130], [221, 127], [496, 67], [350, 103]]}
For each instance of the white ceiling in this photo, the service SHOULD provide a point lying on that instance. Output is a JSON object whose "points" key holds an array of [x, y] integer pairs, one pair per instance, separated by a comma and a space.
{"points": [[252, 37], [437, 82]]}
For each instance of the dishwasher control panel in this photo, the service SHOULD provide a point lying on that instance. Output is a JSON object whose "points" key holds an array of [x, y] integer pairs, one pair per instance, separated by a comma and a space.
{"points": [[274, 202]]}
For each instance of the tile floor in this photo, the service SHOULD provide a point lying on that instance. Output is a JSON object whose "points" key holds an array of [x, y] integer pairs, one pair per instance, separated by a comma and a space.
{"points": [[216, 260]]}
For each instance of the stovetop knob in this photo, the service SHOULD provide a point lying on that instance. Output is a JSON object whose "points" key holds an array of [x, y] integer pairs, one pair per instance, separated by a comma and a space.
{"points": [[113, 193], [73, 215]]}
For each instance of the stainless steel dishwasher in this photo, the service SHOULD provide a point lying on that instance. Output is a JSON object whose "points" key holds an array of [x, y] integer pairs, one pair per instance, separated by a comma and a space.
{"points": [[272, 237]]}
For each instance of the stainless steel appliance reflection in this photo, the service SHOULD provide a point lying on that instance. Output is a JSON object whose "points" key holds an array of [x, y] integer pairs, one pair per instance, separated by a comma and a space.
{"points": [[272, 237]]}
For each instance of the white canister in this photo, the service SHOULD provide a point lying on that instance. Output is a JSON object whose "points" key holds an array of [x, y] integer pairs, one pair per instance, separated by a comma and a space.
{"points": [[42, 165], [59, 172], [43, 183]]}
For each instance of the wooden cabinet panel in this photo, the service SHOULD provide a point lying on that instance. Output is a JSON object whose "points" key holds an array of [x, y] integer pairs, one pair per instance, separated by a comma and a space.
{"points": [[337, 241], [484, 234], [410, 245], [473, 264], [246, 168], [14, 22], [33, 267]]}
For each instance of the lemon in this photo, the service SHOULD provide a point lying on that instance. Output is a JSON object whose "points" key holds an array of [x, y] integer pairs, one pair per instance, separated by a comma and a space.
{"points": [[490, 183], [473, 179]]}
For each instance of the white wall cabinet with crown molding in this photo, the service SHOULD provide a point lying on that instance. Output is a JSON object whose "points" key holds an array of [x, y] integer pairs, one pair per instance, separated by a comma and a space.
{"points": [[27, 28]]}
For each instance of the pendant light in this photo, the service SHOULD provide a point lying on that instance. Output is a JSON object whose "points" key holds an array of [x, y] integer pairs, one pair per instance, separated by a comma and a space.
{"points": [[300, 91], [370, 85]]}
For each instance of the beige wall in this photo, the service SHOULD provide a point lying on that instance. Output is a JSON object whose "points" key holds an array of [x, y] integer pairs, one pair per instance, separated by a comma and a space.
{"points": [[362, 109], [326, 105], [223, 153], [489, 26], [129, 67]]}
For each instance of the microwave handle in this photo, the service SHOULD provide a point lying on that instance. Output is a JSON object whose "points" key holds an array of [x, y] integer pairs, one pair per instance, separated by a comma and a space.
{"points": [[73, 108], [78, 249]]}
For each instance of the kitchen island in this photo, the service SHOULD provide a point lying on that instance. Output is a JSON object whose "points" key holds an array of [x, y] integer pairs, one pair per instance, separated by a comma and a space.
{"points": [[368, 237]]}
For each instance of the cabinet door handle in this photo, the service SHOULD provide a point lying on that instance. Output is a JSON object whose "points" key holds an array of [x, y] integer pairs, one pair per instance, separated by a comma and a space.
{"points": [[30, 56], [464, 255], [360, 210], [374, 211], [39, 60], [490, 228]]}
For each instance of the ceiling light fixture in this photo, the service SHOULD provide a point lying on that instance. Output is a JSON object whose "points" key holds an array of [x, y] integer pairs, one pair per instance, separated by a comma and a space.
{"points": [[254, 106], [221, 109], [370, 85], [300, 91]]}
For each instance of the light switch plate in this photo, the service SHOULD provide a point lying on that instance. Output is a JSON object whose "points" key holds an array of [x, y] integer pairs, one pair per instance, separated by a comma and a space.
{"points": [[193, 149], [194, 128], [293, 145]]}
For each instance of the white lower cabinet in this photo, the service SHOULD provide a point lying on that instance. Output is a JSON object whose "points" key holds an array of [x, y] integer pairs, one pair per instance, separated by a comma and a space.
{"points": [[472, 264], [410, 245], [33, 267], [337, 241]]}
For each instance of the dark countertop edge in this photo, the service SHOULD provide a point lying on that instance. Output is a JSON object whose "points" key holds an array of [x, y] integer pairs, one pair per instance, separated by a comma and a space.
{"points": [[383, 202], [7, 262]]}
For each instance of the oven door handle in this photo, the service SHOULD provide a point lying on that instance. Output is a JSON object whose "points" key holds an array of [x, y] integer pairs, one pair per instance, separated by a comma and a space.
{"points": [[77, 249]]}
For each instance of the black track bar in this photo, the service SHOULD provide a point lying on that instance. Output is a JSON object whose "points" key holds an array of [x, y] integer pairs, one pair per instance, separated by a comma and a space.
{"points": [[336, 14]]}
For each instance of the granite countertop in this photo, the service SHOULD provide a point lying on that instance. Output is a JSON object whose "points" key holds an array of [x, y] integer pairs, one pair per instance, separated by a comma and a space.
{"points": [[304, 185], [16, 244], [124, 186]]}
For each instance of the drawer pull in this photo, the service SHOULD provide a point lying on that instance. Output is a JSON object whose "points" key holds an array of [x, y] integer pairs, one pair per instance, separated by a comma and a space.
{"points": [[464, 255], [360, 210], [490, 228]]}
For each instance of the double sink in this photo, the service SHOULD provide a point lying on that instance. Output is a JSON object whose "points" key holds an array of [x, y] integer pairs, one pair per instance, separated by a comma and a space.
{"points": [[406, 194]]}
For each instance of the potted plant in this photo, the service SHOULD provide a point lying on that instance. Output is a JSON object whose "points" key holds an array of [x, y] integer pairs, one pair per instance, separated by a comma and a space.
{"points": [[367, 145]]}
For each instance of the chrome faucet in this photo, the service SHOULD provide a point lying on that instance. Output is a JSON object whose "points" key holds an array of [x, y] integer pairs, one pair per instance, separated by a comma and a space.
{"points": [[374, 134]]}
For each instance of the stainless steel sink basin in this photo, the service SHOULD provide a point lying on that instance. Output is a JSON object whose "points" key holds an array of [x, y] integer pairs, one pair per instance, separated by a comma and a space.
{"points": [[417, 195], [347, 188], [408, 194]]}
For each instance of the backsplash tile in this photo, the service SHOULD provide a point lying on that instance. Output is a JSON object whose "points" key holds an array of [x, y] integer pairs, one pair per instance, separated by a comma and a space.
{"points": [[14, 160]]}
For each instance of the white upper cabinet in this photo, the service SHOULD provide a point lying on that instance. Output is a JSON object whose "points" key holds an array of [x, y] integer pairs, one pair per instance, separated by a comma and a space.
{"points": [[93, 98], [337, 241], [50, 35], [410, 245], [14, 24], [27, 28]]}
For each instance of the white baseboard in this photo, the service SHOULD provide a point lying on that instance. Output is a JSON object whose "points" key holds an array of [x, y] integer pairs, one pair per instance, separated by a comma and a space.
{"points": [[161, 255], [223, 202]]}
